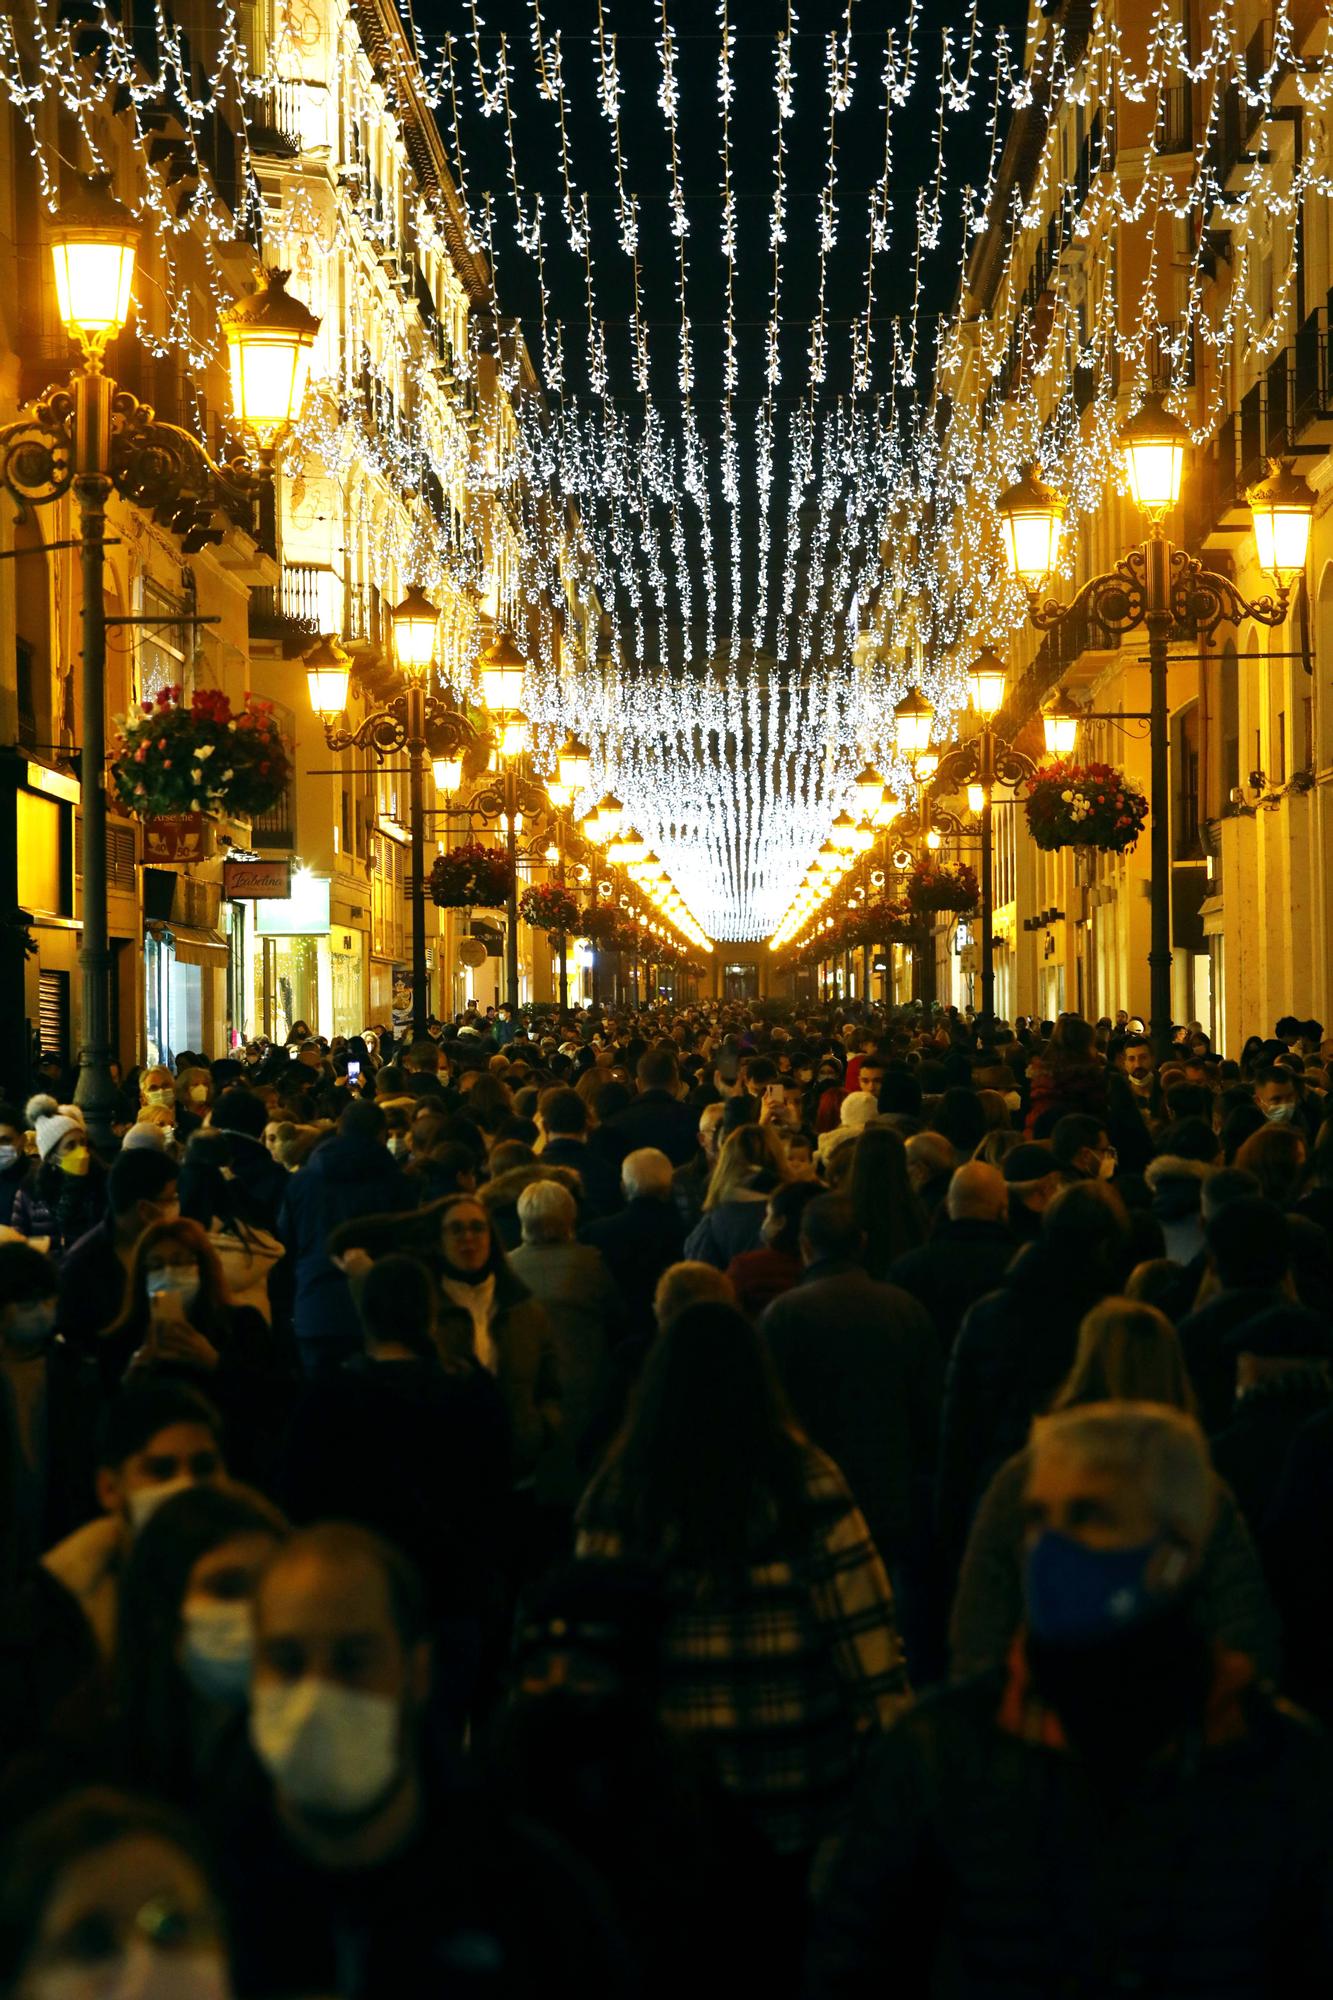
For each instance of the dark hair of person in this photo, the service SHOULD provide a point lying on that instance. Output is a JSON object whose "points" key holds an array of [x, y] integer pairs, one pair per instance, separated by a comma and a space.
{"points": [[1276, 1156], [26, 1276], [208, 1310], [888, 1210], [563, 1112], [343, 1542], [1087, 1226], [83, 1823], [1073, 1040], [361, 1120], [239, 1110], [488, 1102], [208, 1193], [960, 1119], [142, 1174], [395, 1301], [708, 1469], [831, 1228], [787, 1206], [151, 1694], [657, 1069], [136, 1413], [11, 1115], [1250, 1243], [1189, 1139]]}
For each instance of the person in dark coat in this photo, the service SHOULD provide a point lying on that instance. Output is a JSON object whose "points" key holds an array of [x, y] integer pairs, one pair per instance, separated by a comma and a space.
{"points": [[645, 1237], [1284, 1376], [13, 1159], [48, 1405], [659, 1116], [242, 1115], [1297, 1549], [860, 1365], [1015, 1347], [1249, 1248], [349, 1176], [1121, 1808], [967, 1254], [562, 1122], [141, 1190], [750, 1164]]}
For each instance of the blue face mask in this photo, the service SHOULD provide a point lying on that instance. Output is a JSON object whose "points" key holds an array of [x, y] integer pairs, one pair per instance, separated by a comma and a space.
{"points": [[1077, 1595], [217, 1649]]}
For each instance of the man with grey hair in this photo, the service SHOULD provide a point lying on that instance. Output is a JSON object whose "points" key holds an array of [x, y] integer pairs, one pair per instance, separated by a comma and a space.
{"points": [[966, 1253], [1121, 1807], [583, 1304], [645, 1236]]}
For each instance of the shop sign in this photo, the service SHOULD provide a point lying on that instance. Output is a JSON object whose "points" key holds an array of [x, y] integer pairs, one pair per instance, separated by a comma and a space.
{"points": [[182, 837], [257, 881]]}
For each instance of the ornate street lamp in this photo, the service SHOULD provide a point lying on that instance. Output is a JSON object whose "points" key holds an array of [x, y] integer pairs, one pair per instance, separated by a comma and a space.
{"points": [[1033, 516], [416, 625], [503, 671], [1281, 509], [94, 243], [574, 763], [270, 339], [1060, 719], [912, 719], [986, 682], [327, 670], [869, 790]]}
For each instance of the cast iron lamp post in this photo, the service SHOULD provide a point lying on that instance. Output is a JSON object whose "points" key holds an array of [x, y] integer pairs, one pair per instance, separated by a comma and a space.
{"points": [[416, 720], [92, 438], [1161, 587]]}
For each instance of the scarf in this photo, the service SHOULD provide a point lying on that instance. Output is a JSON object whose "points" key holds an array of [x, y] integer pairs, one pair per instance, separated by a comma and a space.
{"points": [[478, 1302]]}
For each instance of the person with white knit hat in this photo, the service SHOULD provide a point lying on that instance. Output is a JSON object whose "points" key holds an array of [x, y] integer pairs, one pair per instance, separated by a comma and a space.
{"points": [[64, 1194]]}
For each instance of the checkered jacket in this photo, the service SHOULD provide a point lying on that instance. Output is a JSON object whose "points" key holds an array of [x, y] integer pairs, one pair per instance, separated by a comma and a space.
{"points": [[787, 1674]]}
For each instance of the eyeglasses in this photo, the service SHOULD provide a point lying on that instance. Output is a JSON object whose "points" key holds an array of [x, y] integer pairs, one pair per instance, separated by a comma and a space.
{"points": [[467, 1229]]}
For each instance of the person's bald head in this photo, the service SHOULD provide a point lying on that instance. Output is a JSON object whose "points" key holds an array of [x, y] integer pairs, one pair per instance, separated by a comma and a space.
{"points": [[977, 1193]]}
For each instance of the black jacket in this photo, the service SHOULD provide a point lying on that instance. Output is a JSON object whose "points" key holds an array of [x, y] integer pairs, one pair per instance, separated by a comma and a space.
{"points": [[861, 1368], [1251, 1452], [656, 1118], [1209, 1356], [343, 1180], [1297, 1548], [982, 1867], [960, 1263], [600, 1178], [638, 1244]]}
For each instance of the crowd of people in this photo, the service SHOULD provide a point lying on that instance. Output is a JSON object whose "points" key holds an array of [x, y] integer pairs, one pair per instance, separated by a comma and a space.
{"points": [[806, 1500]]}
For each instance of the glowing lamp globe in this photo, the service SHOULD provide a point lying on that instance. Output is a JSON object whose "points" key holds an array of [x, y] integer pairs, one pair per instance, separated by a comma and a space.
{"points": [[447, 772], [574, 763], [985, 682], [869, 789], [415, 624], [610, 817], [1282, 509], [976, 798], [1059, 723], [503, 669], [1033, 515], [94, 242], [1152, 445], [925, 766], [912, 718], [559, 795], [327, 668], [270, 338], [842, 833], [514, 735], [934, 839]]}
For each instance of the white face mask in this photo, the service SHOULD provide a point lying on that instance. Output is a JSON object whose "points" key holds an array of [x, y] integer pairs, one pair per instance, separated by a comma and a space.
{"points": [[163, 1098], [328, 1749], [144, 1502], [1279, 1114], [217, 1646]]}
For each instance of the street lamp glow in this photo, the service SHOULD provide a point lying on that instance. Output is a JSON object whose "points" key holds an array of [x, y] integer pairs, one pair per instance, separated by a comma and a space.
{"points": [[503, 669], [416, 623], [94, 242], [1033, 514], [842, 833], [869, 789], [626, 847], [1152, 445], [985, 682], [610, 817], [574, 763], [448, 773], [934, 839], [270, 338], [514, 735], [1282, 509], [925, 766], [976, 798], [863, 839], [1059, 722], [327, 668], [912, 718], [559, 795], [887, 811]]}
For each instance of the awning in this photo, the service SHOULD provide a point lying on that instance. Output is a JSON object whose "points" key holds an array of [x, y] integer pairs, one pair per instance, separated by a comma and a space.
{"points": [[193, 946]]}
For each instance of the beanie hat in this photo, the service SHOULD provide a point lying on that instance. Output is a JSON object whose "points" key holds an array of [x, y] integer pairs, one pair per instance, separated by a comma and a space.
{"points": [[49, 1123], [139, 1137]]}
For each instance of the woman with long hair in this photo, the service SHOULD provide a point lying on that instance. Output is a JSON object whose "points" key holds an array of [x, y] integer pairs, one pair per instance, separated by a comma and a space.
{"points": [[1068, 1075], [750, 1165], [179, 1320], [780, 1656], [183, 1639], [234, 1219], [888, 1208], [1127, 1353]]}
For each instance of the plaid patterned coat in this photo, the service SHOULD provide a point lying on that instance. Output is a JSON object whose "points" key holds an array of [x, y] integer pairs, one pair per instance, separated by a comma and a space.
{"points": [[788, 1673]]}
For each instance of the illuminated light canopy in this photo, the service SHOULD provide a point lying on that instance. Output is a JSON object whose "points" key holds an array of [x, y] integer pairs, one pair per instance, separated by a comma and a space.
{"points": [[327, 670], [1152, 446], [503, 671], [1282, 510], [416, 624], [986, 681], [94, 244], [270, 338], [1060, 721], [912, 719], [1033, 516]]}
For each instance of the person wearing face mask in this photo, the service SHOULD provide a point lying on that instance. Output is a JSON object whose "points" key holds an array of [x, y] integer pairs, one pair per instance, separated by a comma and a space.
{"points": [[194, 1094], [350, 1867], [1121, 1807], [184, 1637], [62, 1196], [1279, 1096], [154, 1439], [179, 1319], [141, 1190], [13, 1159], [108, 1897]]}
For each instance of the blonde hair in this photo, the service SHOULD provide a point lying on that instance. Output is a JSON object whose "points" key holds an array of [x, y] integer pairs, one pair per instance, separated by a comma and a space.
{"points": [[744, 1153], [1127, 1353]]}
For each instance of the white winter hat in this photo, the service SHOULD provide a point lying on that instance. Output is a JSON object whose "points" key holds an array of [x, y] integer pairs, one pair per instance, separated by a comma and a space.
{"points": [[858, 1110], [49, 1123]]}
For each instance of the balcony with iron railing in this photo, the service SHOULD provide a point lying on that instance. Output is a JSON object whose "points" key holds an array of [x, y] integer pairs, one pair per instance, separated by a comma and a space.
{"points": [[1311, 375]]}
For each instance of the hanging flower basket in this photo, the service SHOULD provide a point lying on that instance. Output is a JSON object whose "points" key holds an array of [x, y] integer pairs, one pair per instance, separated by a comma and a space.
{"points": [[1084, 805], [548, 907], [603, 926], [171, 757], [934, 886], [471, 875]]}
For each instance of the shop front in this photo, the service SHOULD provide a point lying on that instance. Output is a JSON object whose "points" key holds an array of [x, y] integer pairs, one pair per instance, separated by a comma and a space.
{"points": [[185, 960], [300, 963]]}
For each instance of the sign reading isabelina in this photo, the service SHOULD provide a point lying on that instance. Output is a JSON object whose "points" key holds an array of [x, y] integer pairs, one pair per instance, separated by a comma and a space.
{"points": [[260, 881]]}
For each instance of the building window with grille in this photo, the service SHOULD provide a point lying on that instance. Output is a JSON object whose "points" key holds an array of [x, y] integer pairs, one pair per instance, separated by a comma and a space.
{"points": [[165, 657]]}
